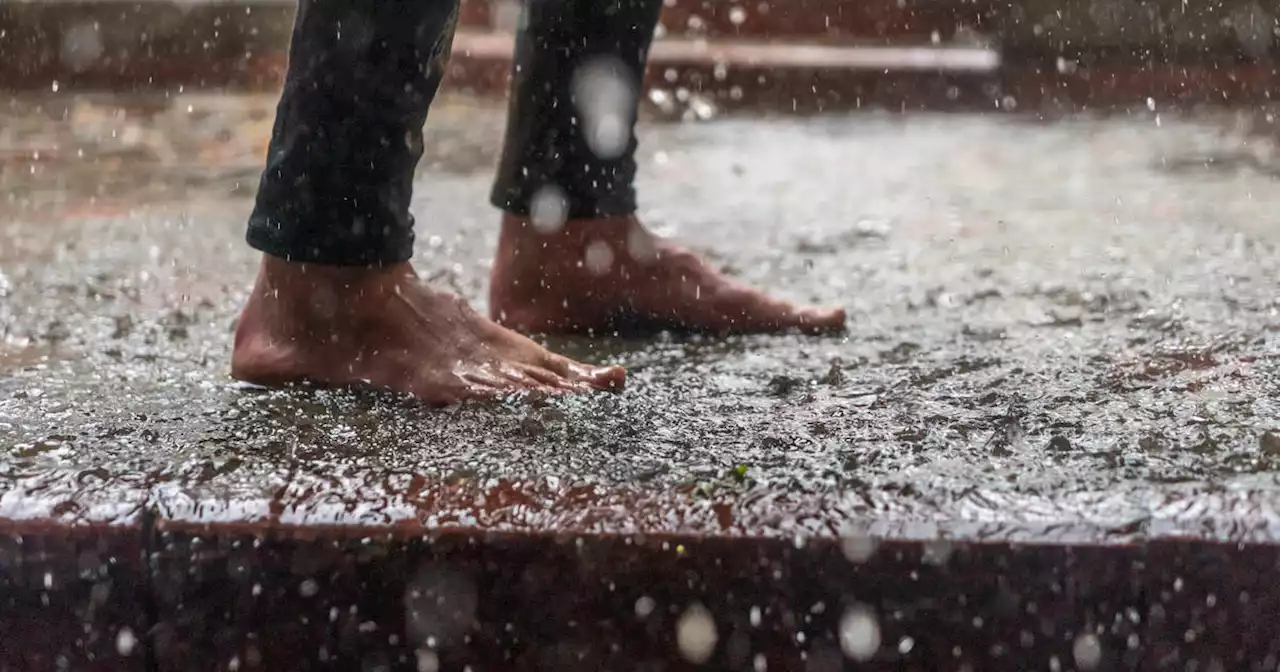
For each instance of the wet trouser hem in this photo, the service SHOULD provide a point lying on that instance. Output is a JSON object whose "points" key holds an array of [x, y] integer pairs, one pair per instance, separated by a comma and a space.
{"points": [[520, 205], [269, 237]]}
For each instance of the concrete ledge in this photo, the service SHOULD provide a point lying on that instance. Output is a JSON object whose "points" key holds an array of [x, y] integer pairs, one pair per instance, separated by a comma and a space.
{"points": [[174, 593]]}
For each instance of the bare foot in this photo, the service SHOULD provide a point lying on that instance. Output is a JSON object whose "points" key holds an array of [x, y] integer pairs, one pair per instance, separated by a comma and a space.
{"points": [[613, 275], [384, 327]]}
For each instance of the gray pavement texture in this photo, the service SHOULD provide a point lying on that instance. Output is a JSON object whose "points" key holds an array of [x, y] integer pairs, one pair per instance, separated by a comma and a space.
{"points": [[1053, 325]]}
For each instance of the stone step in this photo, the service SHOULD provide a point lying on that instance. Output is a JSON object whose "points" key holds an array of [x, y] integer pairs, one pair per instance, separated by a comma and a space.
{"points": [[1065, 56], [868, 20]]}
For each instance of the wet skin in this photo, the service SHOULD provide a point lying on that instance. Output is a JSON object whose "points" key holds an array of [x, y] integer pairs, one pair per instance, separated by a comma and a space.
{"points": [[385, 328]]}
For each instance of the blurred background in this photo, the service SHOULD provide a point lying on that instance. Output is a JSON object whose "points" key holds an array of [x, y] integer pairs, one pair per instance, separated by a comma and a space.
{"points": [[188, 86]]}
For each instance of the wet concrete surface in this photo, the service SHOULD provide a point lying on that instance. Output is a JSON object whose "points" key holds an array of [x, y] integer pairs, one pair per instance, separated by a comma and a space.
{"points": [[1062, 323], [1062, 334]]}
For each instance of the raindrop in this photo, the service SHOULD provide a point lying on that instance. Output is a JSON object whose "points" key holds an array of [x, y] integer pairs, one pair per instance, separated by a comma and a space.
{"points": [[598, 257], [737, 15], [859, 633], [1087, 651], [936, 552], [755, 617], [309, 588], [606, 99], [703, 109], [662, 100], [48, 576], [759, 664], [549, 209], [428, 661], [645, 606], [1151, 104], [55, 86], [905, 645], [858, 548], [440, 606], [81, 46], [641, 245], [125, 642], [696, 634]]}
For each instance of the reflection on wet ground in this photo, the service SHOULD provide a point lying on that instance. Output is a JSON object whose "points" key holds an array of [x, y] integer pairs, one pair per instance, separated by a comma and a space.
{"points": [[1050, 329]]}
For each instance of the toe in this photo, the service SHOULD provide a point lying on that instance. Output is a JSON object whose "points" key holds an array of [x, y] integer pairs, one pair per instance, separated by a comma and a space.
{"points": [[598, 377], [526, 377], [820, 319]]}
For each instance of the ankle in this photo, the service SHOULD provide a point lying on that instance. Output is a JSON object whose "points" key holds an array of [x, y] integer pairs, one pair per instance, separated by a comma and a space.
{"points": [[283, 277], [574, 233], [304, 300], [591, 244]]}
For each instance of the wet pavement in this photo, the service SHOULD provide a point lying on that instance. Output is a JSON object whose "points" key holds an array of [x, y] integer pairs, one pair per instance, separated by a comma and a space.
{"points": [[1073, 322], [1061, 332]]}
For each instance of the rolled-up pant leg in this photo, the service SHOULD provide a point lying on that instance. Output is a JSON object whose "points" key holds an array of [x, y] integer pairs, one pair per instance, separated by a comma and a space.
{"points": [[348, 130], [577, 74]]}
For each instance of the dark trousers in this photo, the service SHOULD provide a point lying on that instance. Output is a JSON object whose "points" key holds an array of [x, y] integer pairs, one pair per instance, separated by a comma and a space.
{"points": [[362, 73]]}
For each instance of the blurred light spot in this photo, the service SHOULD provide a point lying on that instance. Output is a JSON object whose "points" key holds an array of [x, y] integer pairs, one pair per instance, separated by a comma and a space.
{"points": [[662, 100], [905, 645], [428, 661], [1087, 651], [701, 107], [759, 664], [645, 606], [859, 633], [641, 245], [936, 552], [81, 46], [755, 617], [549, 209], [309, 588], [440, 606], [696, 634], [598, 257], [606, 98], [858, 547], [125, 642], [737, 15]]}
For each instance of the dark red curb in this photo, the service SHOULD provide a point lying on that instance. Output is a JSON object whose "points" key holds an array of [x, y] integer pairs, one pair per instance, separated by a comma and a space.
{"points": [[280, 597], [513, 577]]}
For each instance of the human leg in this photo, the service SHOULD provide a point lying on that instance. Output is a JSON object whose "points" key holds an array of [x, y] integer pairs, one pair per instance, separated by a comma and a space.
{"points": [[336, 301], [572, 255]]}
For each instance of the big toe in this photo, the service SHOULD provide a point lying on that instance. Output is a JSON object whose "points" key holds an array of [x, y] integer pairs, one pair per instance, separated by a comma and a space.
{"points": [[603, 377], [598, 377], [820, 318]]}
